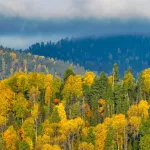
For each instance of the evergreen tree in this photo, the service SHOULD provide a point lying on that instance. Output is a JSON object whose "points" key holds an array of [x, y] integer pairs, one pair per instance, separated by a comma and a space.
{"points": [[23, 145], [115, 75], [68, 72], [109, 145], [54, 118], [145, 142]]}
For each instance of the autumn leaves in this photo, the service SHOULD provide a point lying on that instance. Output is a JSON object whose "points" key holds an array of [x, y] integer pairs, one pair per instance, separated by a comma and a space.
{"points": [[41, 111]]}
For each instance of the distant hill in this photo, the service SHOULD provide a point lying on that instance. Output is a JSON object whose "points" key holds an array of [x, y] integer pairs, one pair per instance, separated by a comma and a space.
{"points": [[13, 61], [100, 53]]}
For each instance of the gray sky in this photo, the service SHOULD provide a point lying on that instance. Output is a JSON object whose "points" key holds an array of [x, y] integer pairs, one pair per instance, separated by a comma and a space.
{"points": [[24, 22], [52, 9]]}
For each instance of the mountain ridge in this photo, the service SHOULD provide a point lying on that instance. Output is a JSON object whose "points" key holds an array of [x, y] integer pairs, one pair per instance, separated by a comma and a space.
{"points": [[12, 61], [100, 53]]}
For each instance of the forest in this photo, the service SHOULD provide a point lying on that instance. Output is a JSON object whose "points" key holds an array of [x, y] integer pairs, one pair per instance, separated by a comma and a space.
{"points": [[100, 53], [40, 111], [12, 61]]}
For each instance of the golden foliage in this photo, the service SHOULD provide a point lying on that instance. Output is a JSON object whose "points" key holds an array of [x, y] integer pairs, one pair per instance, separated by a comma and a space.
{"points": [[73, 87], [42, 140], [35, 111], [48, 94], [86, 146], [10, 138], [134, 123], [110, 80], [140, 110], [48, 80], [89, 78], [128, 81], [6, 99], [146, 80], [100, 136], [30, 142], [72, 126], [62, 113], [50, 147]]}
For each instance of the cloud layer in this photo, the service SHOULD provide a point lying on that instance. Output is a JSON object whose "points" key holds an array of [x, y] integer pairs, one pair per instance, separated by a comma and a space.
{"points": [[25, 22], [56, 9]]}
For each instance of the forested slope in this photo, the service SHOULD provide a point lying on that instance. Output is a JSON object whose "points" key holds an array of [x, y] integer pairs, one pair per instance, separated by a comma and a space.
{"points": [[100, 53], [80, 112], [12, 61]]}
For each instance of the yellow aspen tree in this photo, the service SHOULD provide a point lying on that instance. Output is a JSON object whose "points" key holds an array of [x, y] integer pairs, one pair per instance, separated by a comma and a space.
{"points": [[42, 140], [34, 114], [50, 147], [133, 111], [40, 80], [68, 90], [140, 110], [128, 81], [100, 136], [36, 80], [22, 82], [34, 94], [48, 98], [47, 130], [134, 123], [13, 55], [62, 113], [110, 80], [146, 81], [48, 95], [71, 128], [56, 134], [35, 110], [10, 138], [6, 102], [119, 124], [73, 87], [102, 103], [86, 146], [48, 80], [143, 108], [89, 78], [77, 86]]}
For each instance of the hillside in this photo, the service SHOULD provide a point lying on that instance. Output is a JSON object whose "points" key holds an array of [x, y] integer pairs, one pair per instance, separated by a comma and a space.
{"points": [[100, 53], [12, 61], [43, 112]]}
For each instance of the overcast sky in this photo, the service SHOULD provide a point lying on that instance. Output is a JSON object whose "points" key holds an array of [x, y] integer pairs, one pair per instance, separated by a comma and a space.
{"points": [[24, 22]]}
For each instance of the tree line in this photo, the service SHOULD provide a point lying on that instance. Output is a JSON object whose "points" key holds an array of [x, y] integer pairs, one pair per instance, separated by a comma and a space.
{"points": [[100, 53]]}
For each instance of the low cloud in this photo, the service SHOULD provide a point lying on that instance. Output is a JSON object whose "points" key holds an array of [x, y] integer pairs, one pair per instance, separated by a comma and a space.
{"points": [[23, 42], [19, 33], [85, 27]]}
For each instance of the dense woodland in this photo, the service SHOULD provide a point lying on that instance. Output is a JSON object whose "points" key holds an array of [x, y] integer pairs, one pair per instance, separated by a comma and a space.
{"points": [[14, 61], [79, 112], [100, 53]]}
